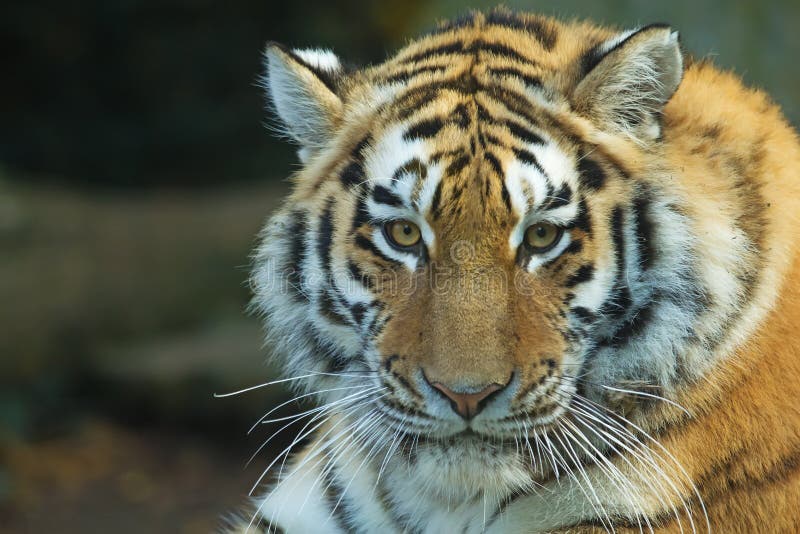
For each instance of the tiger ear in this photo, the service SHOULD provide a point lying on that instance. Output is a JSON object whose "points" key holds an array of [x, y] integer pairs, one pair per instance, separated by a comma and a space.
{"points": [[627, 81], [301, 86]]}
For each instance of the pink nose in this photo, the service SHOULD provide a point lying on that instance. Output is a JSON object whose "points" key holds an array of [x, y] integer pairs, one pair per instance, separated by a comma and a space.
{"points": [[467, 405]]}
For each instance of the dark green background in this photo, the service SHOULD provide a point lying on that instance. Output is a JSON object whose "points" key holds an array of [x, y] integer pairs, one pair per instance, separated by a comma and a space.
{"points": [[135, 172]]}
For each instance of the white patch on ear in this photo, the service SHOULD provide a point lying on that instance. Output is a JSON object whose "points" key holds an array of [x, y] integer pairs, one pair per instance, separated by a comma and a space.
{"points": [[319, 59], [297, 86], [614, 42], [635, 76]]}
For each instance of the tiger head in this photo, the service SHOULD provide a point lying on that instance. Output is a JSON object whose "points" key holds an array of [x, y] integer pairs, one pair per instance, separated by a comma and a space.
{"points": [[481, 233]]}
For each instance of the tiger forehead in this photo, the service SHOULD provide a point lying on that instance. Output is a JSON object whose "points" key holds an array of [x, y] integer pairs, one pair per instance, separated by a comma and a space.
{"points": [[483, 96], [519, 50], [471, 156]]}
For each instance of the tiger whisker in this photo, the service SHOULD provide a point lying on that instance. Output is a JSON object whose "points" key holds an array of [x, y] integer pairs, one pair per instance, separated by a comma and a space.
{"points": [[624, 434], [259, 386], [594, 500], [320, 410], [319, 447], [666, 452], [263, 420]]}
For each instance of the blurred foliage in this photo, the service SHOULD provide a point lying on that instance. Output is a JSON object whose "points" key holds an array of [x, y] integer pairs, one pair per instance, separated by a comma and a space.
{"points": [[134, 174], [135, 92]]}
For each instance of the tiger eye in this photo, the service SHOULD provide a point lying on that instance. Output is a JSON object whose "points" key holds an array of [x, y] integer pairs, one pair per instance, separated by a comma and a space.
{"points": [[403, 233], [541, 237]]}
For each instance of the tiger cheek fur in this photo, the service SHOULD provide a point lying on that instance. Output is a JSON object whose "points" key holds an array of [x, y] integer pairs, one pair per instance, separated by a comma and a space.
{"points": [[539, 278]]}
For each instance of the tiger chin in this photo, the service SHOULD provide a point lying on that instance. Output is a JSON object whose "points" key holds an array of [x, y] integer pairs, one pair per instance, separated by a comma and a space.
{"points": [[536, 276]]}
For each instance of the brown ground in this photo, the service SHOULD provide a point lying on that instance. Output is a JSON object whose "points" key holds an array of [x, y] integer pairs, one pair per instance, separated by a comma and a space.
{"points": [[127, 316], [106, 478]]}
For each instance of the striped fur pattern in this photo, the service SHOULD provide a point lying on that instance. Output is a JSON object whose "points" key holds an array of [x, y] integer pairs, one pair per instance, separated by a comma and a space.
{"points": [[642, 370]]}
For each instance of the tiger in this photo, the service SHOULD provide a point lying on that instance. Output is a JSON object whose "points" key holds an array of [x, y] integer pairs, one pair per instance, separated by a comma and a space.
{"points": [[534, 276]]}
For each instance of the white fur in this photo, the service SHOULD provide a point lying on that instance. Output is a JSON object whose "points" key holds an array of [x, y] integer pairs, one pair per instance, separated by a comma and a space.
{"points": [[304, 105], [319, 58]]}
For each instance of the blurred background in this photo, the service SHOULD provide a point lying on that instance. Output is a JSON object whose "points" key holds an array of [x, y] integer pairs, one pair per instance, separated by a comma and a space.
{"points": [[134, 174]]}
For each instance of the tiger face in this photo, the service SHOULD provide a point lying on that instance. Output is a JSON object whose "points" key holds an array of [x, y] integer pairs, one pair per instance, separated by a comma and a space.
{"points": [[480, 234], [539, 277]]}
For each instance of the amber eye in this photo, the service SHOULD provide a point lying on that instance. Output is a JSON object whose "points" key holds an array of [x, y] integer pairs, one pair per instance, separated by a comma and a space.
{"points": [[541, 237], [402, 233]]}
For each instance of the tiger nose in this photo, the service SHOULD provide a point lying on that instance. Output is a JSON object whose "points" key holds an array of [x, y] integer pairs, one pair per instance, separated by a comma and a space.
{"points": [[467, 404]]}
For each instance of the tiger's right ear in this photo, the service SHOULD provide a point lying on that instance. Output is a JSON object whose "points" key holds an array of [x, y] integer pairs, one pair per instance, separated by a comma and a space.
{"points": [[301, 86]]}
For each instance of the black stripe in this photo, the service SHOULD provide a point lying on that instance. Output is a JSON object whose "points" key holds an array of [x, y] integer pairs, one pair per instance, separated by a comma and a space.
{"points": [[542, 30], [424, 129], [574, 247], [437, 200], [457, 165], [412, 166], [416, 97], [591, 58], [325, 236], [591, 174], [506, 196], [527, 79], [357, 310], [335, 361], [436, 157], [454, 24], [466, 85], [334, 492], [460, 116], [327, 305], [366, 244], [618, 239], [515, 102], [329, 78], [494, 162], [414, 100], [560, 198], [361, 216], [441, 50], [352, 175], [413, 73], [297, 252], [484, 115], [521, 132], [358, 152], [526, 157], [492, 140], [638, 321], [583, 314], [383, 195], [582, 220], [583, 274], [645, 230], [327, 308], [620, 300], [498, 49], [358, 275], [455, 193], [619, 303]]}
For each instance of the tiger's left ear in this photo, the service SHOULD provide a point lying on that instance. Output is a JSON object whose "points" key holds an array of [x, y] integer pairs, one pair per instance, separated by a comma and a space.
{"points": [[301, 85], [628, 80]]}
